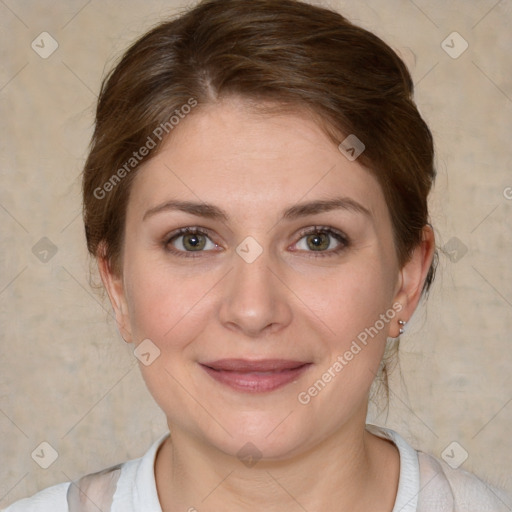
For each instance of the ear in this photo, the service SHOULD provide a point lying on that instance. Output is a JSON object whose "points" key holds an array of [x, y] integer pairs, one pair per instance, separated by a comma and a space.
{"points": [[413, 274], [113, 283]]}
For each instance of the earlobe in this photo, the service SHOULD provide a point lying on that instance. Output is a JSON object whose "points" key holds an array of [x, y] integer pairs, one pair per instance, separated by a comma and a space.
{"points": [[414, 273], [114, 286]]}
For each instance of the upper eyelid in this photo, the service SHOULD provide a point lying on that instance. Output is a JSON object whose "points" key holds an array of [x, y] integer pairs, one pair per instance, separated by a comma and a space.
{"points": [[319, 228], [188, 230]]}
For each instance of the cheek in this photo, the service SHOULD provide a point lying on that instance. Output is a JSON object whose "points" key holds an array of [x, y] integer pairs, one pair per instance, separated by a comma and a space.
{"points": [[171, 310], [356, 308], [350, 299], [163, 306]]}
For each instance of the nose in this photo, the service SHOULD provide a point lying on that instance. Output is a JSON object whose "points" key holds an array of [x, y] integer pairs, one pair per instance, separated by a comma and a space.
{"points": [[255, 299]]}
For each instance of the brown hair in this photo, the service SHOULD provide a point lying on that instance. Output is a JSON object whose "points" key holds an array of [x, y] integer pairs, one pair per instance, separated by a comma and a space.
{"points": [[284, 52]]}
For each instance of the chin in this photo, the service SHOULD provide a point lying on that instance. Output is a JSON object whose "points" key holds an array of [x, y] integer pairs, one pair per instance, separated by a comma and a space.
{"points": [[264, 435]]}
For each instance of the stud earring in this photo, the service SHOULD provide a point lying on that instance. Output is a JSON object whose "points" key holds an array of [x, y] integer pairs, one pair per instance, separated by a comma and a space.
{"points": [[402, 325]]}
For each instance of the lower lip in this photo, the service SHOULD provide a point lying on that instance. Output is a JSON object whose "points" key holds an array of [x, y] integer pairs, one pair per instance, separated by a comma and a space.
{"points": [[256, 382]]}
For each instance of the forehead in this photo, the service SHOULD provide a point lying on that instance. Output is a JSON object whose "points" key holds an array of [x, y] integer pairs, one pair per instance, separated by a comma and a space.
{"points": [[228, 153]]}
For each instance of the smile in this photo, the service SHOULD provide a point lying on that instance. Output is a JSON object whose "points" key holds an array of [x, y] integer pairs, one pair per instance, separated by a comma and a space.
{"points": [[255, 376]]}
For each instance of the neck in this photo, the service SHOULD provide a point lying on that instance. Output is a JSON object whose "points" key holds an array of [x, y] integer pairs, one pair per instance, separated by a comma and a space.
{"points": [[351, 470]]}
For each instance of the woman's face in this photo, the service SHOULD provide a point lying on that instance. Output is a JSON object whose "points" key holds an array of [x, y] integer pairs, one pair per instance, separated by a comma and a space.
{"points": [[256, 317]]}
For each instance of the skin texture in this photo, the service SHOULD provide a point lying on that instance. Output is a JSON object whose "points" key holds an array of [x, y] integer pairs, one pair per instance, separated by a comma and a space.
{"points": [[291, 302]]}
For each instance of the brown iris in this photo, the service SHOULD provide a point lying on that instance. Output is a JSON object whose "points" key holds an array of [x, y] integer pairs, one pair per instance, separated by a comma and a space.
{"points": [[318, 241]]}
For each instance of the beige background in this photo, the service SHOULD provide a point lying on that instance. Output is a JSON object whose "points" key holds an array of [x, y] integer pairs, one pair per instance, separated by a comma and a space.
{"points": [[67, 378]]}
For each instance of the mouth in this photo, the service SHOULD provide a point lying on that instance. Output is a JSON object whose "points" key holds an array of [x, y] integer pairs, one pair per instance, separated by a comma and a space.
{"points": [[255, 376]]}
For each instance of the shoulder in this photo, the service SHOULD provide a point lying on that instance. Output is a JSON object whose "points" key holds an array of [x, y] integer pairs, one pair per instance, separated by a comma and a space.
{"points": [[456, 489], [126, 487], [51, 499], [429, 484], [89, 493]]}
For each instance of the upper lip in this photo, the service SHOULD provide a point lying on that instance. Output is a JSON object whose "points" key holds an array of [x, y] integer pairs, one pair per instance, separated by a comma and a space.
{"points": [[247, 365]]}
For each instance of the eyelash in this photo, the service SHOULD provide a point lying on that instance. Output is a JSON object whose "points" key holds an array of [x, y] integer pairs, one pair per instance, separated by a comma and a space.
{"points": [[337, 235]]}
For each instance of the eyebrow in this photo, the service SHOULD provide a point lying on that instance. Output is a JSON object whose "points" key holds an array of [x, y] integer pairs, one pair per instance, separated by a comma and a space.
{"points": [[294, 212]]}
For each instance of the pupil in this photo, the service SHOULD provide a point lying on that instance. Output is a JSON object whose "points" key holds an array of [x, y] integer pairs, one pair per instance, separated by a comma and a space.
{"points": [[193, 242], [318, 241]]}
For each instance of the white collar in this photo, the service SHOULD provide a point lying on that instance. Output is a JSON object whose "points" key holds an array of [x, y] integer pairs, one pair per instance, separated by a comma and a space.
{"points": [[146, 496]]}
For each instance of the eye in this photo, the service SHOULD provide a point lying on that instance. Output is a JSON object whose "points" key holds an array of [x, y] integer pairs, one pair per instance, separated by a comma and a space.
{"points": [[189, 240], [321, 239]]}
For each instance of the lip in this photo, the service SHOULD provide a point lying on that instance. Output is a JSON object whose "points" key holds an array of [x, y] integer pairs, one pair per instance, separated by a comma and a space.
{"points": [[255, 376]]}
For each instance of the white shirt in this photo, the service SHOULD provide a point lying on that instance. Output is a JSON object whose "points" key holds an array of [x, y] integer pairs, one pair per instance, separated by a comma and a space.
{"points": [[426, 484]]}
